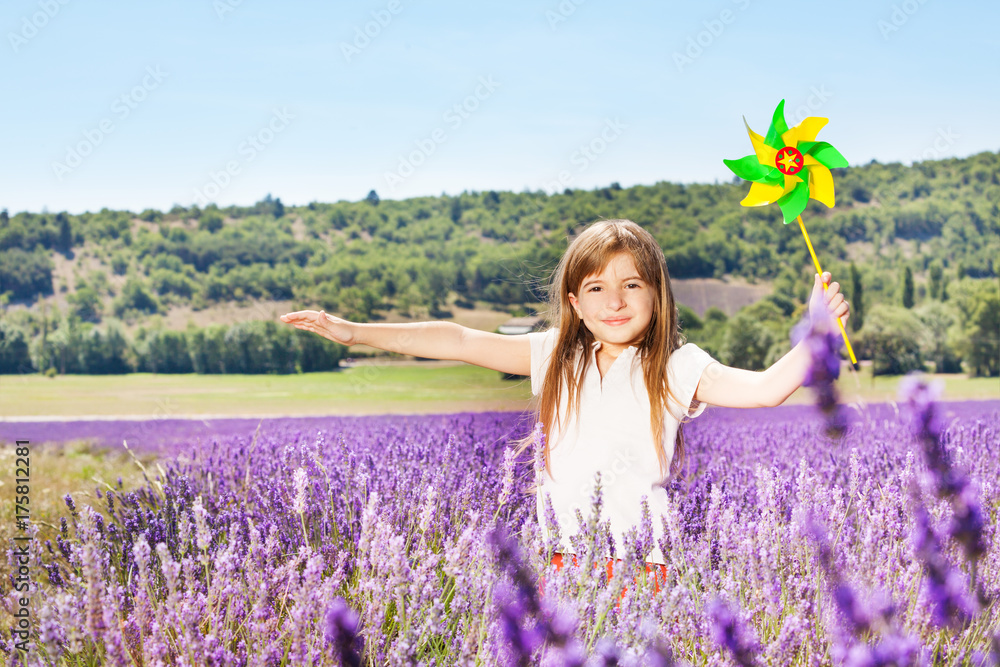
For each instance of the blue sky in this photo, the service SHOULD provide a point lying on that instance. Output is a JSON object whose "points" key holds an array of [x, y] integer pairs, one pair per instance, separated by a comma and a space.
{"points": [[135, 105]]}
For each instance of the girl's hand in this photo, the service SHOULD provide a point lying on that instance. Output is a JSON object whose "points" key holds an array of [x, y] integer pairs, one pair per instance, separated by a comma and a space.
{"points": [[835, 303], [327, 326]]}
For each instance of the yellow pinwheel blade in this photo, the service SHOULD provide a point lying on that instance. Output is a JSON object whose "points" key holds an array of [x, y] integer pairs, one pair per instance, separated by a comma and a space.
{"points": [[820, 181], [804, 131], [761, 194], [765, 153]]}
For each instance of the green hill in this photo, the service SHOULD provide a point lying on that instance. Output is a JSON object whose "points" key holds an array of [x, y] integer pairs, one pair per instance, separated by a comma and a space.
{"points": [[937, 222]]}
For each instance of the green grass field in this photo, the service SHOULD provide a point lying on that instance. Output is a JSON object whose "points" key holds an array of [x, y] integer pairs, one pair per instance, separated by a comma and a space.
{"points": [[359, 390]]}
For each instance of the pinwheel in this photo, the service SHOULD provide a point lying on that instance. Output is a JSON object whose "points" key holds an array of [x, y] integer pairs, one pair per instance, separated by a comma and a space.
{"points": [[788, 168]]}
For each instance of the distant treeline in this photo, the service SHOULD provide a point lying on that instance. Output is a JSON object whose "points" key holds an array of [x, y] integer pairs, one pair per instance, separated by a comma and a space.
{"points": [[246, 347], [913, 233]]}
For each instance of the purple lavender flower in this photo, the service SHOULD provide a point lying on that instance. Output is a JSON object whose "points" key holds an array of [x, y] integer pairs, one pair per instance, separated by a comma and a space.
{"points": [[341, 632], [922, 398], [658, 654], [850, 607], [823, 342], [892, 651], [729, 633], [847, 602], [606, 653], [945, 588], [968, 524], [522, 634], [526, 625], [723, 513]]}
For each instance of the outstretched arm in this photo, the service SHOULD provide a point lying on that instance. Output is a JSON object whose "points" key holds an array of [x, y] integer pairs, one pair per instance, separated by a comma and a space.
{"points": [[730, 387], [432, 340]]}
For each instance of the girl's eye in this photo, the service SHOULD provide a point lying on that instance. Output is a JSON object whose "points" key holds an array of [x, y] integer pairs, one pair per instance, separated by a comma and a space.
{"points": [[593, 289]]}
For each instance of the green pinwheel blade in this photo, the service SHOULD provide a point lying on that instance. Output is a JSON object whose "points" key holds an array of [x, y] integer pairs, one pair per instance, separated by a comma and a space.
{"points": [[748, 168], [794, 202], [778, 128], [827, 155], [774, 177]]}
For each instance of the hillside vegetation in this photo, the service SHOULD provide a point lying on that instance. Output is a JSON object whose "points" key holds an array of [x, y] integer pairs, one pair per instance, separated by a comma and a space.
{"points": [[915, 248]]}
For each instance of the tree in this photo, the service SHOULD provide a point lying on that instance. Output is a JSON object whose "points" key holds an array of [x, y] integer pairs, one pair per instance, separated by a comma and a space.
{"points": [[26, 275], [983, 331], [316, 353], [978, 305], [456, 210], [67, 341], [166, 351], [688, 320], [4, 218], [244, 348], [210, 222], [14, 357], [105, 353], [205, 347], [936, 273], [892, 339], [907, 288], [745, 343], [135, 296], [857, 300], [358, 302], [372, 198], [65, 243], [938, 320], [86, 304]]}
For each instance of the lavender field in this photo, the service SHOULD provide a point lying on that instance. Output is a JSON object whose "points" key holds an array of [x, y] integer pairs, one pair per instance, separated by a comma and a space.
{"points": [[413, 540]]}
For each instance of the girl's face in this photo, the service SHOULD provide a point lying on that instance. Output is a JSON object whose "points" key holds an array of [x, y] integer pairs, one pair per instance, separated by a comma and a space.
{"points": [[616, 305]]}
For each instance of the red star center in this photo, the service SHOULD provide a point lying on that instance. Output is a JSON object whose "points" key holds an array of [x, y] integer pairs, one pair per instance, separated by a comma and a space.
{"points": [[789, 161]]}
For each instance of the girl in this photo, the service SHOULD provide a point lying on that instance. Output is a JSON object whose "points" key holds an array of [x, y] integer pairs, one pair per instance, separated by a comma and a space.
{"points": [[614, 379]]}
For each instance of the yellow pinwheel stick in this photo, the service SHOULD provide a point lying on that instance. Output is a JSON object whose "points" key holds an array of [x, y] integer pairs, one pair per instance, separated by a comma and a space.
{"points": [[843, 332]]}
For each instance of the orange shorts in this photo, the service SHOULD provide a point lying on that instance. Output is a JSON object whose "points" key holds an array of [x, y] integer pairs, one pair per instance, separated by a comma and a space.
{"points": [[658, 570]]}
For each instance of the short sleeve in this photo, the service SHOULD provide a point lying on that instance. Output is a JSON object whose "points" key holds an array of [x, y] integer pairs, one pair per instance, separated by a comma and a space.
{"points": [[542, 344], [684, 369]]}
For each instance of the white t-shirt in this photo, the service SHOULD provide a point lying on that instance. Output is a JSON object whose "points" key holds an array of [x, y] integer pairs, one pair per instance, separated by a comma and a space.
{"points": [[611, 434]]}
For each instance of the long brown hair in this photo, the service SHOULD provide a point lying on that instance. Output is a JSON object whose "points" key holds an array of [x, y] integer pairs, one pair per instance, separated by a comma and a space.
{"points": [[588, 254]]}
